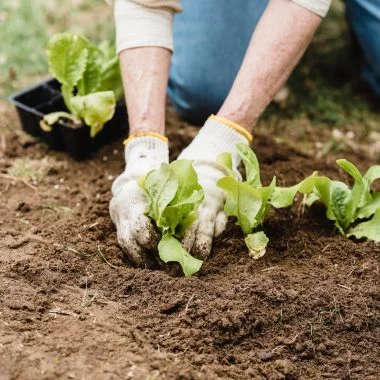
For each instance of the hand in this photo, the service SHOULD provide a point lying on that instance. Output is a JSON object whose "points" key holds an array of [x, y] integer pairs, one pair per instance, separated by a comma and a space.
{"points": [[217, 136], [136, 234]]}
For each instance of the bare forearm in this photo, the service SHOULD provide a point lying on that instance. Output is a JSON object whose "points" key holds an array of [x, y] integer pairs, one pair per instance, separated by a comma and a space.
{"points": [[145, 72], [279, 41]]}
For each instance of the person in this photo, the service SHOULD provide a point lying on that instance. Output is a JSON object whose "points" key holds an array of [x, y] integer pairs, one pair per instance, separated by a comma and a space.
{"points": [[230, 59]]}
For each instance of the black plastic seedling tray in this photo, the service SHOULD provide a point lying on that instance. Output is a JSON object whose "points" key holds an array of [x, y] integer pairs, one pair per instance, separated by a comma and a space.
{"points": [[35, 102]]}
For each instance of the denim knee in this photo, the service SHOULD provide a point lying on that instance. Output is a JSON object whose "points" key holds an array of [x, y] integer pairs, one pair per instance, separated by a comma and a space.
{"points": [[210, 41], [364, 17], [195, 99]]}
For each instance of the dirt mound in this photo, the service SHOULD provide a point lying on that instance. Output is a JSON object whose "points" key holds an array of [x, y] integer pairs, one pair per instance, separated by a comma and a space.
{"points": [[70, 307]]}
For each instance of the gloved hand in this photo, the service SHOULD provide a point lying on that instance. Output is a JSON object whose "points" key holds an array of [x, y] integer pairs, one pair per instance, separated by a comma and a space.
{"points": [[217, 136], [136, 234]]}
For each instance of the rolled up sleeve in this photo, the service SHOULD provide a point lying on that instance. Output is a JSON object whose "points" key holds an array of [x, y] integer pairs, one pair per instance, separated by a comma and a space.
{"points": [[140, 23], [320, 7]]}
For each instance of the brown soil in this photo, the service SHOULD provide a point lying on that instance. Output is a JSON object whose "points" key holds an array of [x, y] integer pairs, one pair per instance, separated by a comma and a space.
{"points": [[71, 308]]}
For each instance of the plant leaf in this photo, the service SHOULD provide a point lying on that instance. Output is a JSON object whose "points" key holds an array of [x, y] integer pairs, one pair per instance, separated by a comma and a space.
{"points": [[51, 118], [370, 208], [187, 179], [251, 164], [110, 77], [360, 194], [178, 215], [284, 196], [243, 202], [170, 250], [67, 57], [161, 186], [95, 109], [369, 230], [256, 243], [225, 159], [340, 202], [372, 174], [174, 216], [266, 194], [91, 78]]}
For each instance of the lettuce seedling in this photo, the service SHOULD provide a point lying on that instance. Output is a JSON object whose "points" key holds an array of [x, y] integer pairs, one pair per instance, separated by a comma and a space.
{"points": [[174, 196], [250, 201], [345, 205], [90, 79]]}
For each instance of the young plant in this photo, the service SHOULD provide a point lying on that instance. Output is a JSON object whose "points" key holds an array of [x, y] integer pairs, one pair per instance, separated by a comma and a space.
{"points": [[90, 79], [174, 195], [345, 206], [250, 201]]}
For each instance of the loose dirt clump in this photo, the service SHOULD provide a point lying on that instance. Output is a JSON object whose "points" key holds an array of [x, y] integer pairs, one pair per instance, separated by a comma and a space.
{"points": [[71, 308]]}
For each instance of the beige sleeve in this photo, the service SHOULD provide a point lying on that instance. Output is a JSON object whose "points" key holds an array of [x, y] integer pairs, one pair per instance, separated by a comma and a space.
{"points": [[320, 7], [149, 22], [138, 25], [172, 5]]}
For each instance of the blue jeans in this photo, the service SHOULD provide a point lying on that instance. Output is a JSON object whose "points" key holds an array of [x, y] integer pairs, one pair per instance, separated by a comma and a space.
{"points": [[210, 40], [364, 17]]}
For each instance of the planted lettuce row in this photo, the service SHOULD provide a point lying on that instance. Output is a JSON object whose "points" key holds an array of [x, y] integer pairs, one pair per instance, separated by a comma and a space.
{"points": [[174, 196]]}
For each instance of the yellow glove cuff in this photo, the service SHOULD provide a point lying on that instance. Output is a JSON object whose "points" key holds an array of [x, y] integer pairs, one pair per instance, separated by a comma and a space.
{"points": [[151, 134], [234, 126]]}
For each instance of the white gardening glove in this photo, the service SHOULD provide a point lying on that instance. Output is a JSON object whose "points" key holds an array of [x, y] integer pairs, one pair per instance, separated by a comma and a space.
{"points": [[136, 234], [217, 136]]}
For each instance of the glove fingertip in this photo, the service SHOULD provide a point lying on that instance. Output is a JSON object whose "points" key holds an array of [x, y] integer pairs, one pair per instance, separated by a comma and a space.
{"points": [[220, 223]]}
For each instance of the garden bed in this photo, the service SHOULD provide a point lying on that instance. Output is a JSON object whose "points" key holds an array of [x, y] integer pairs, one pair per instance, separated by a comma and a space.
{"points": [[71, 308]]}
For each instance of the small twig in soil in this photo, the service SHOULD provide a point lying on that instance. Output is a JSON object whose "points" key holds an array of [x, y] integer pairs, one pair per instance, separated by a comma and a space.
{"points": [[324, 249], [103, 257], [343, 286], [271, 268], [188, 303], [62, 312], [13, 178], [311, 330], [85, 303], [82, 254]]}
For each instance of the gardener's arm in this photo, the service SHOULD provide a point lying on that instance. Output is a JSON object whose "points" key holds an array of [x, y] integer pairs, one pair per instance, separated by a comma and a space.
{"points": [[277, 44], [280, 39]]}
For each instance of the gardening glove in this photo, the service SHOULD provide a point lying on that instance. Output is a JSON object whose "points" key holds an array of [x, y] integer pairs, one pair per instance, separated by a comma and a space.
{"points": [[217, 136], [136, 234]]}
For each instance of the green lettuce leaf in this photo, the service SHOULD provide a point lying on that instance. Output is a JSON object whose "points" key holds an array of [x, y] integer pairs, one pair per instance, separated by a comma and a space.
{"points": [[345, 205], [284, 196], [266, 194], [174, 195], [256, 243], [95, 109], [110, 78], [369, 230], [251, 164], [243, 201], [372, 174], [179, 214], [360, 194], [67, 58], [91, 78], [225, 159], [161, 186], [91, 73], [171, 250], [370, 208]]}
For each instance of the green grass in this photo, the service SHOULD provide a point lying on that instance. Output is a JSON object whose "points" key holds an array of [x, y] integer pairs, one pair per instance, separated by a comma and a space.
{"points": [[25, 27]]}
